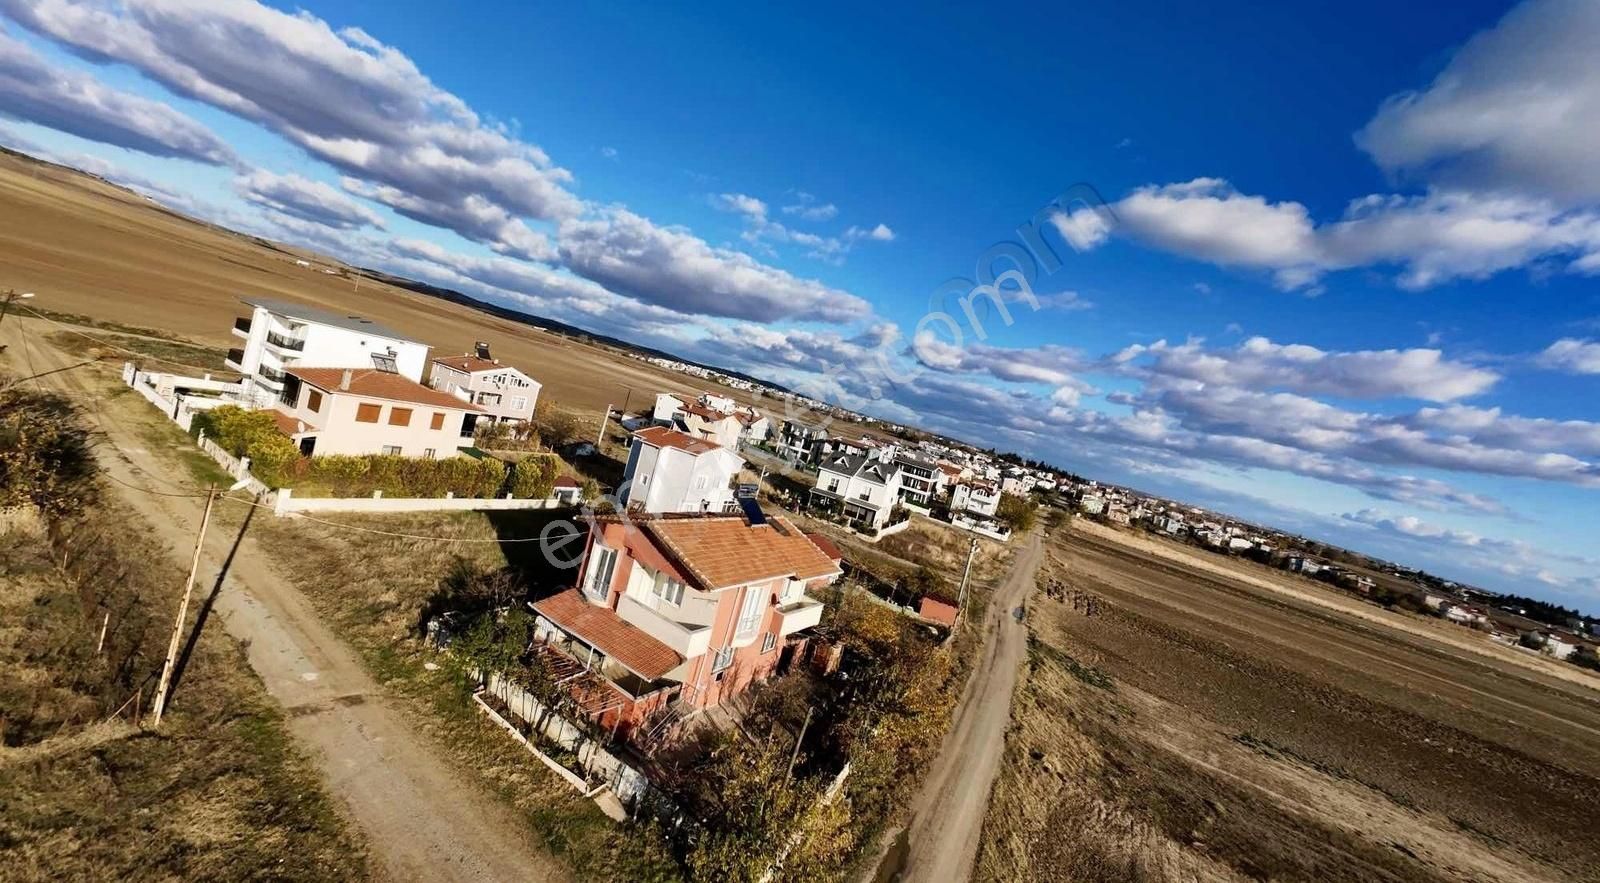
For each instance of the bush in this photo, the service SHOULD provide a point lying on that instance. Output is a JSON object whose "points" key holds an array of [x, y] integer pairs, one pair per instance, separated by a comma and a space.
{"points": [[533, 478]]}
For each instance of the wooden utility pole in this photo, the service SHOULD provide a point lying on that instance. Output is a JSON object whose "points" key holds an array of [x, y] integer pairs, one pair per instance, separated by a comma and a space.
{"points": [[961, 597], [600, 440], [799, 740], [159, 704]]}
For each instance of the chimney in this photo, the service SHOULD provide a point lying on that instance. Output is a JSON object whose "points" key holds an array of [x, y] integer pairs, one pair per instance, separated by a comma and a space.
{"points": [[344, 380]]}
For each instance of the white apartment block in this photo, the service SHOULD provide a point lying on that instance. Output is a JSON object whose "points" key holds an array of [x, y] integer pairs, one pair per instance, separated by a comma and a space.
{"points": [[669, 471], [504, 393], [279, 335]]}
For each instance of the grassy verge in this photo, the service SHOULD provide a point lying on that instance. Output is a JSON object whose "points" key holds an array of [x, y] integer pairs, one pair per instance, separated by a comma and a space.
{"points": [[165, 354]]}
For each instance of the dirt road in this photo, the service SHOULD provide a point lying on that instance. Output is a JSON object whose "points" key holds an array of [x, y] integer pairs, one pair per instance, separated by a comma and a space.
{"points": [[947, 817], [420, 821]]}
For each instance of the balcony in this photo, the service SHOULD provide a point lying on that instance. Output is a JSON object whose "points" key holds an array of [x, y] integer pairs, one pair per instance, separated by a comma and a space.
{"points": [[235, 360], [241, 327], [272, 376], [685, 639], [285, 342], [802, 613]]}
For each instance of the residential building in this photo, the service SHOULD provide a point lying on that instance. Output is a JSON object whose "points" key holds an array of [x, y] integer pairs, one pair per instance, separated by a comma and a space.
{"points": [[713, 417], [800, 442], [368, 411], [862, 490], [978, 497], [504, 393], [675, 614], [921, 481], [672, 471], [1092, 504], [1557, 645], [279, 335]]}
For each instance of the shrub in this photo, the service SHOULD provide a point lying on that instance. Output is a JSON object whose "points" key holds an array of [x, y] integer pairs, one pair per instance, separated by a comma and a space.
{"points": [[533, 478]]}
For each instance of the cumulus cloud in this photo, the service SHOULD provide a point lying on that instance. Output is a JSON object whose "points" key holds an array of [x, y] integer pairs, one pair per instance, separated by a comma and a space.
{"points": [[304, 198], [1259, 363], [344, 97], [37, 91], [1516, 110], [672, 267], [1572, 355]]}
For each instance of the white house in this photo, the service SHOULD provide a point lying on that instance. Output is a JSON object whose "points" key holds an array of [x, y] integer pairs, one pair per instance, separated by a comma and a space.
{"points": [[714, 417], [504, 393], [1558, 646], [921, 481], [279, 335], [861, 489], [670, 471], [366, 411], [978, 497]]}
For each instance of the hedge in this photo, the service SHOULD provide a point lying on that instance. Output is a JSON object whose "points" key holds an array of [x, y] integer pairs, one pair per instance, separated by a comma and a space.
{"points": [[533, 478], [341, 475]]}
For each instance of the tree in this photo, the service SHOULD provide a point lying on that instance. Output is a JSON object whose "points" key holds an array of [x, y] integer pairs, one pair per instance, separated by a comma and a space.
{"points": [[556, 425], [1016, 513]]}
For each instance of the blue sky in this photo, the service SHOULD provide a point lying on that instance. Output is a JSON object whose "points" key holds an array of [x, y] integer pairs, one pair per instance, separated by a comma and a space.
{"points": [[1346, 278]]}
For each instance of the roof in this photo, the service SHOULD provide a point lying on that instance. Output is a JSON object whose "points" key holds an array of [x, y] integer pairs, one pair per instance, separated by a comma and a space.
{"points": [[288, 424], [566, 481], [609, 633], [662, 437], [469, 364], [721, 551], [376, 384], [326, 317], [826, 545], [875, 471]]}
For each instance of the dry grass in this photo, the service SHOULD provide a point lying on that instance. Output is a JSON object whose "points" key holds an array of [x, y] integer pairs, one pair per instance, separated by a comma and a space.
{"points": [[218, 793]]}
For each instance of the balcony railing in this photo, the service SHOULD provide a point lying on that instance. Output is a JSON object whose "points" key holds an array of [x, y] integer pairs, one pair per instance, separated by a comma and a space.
{"points": [[271, 374], [281, 341]]}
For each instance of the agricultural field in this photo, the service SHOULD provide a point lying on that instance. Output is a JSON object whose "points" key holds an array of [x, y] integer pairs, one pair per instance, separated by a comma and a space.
{"points": [[1178, 721]]}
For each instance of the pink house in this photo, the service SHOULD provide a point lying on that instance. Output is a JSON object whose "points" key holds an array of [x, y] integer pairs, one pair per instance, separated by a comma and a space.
{"points": [[673, 614]]}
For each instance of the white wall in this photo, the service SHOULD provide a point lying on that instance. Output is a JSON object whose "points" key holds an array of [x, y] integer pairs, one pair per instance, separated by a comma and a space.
{"points": [[672, 480], [338, 432]]}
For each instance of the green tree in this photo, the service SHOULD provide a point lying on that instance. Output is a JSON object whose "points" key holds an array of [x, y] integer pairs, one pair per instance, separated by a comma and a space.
{"points": [[1017, 513]]}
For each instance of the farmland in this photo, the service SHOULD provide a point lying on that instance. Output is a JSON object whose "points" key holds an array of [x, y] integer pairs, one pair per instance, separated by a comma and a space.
{"points": [[1179, 722]]}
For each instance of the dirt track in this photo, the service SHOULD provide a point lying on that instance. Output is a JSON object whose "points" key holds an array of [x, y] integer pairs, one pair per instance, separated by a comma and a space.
{"points": [[947, 817], [1177, 724], [420, 821]]}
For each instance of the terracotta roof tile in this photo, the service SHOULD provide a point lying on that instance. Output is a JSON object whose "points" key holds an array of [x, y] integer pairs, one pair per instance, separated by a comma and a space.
{"points": [[469, 364], [610, 634], [290, 425], [662, 437], [826, 545], [375, 384], [720, 551]]}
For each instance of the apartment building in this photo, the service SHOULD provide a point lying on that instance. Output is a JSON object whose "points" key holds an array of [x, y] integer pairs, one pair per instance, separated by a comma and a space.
{"points": [[370, 411], [504, 393], [675, 614], [278, 335], [671, 471], [921, 481], [978, 497]]}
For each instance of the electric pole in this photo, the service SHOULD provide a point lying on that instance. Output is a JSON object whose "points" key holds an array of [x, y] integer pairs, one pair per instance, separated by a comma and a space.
{"points": [[794, 757], [600, 440], [961, 597], [160, 703]]}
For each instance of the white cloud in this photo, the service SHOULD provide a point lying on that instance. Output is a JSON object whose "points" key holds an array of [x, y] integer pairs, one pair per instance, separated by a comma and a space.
{"points": [[1572, 355], [760, 228], [671, 267], [1083, 229], [37, 91], [1259, 363], [807, 208], [1516, 110], [304, 198]]}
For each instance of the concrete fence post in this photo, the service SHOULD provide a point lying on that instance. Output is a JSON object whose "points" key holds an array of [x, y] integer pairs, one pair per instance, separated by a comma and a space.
{"points": [[377, 494], [244, 468], [281, 504]]}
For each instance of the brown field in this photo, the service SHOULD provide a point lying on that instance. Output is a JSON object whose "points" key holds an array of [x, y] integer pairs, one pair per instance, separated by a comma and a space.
{"points": [[89, 248], [1180, 722]]}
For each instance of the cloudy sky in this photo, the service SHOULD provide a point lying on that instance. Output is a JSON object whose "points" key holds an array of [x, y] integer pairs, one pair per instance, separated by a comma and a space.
{"points": [[1335, 268]]}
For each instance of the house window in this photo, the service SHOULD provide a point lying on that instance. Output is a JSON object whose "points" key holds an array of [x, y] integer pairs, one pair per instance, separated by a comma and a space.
{"points": [[391, 450], [488, 398], [314, 400], [721, 660], [367, 413], [438, 420], [519, 403], [768, 641], [669, 590], [750, 612], [833, 485], [428, 453], [700, 483], [399, 416], [602, 561]]}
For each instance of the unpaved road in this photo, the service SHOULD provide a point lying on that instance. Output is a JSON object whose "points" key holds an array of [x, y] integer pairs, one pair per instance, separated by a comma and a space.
{"points": [[947, 816], [419, 820]]}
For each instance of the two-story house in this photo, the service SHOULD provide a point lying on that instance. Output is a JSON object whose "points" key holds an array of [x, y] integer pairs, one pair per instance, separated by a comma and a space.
{"points": [[713, 417], [504, 393], [860, 489], [800, 442], [671, 471], [978, 497], [371, 411], [279, 335], [921, 481], [675, 614]]}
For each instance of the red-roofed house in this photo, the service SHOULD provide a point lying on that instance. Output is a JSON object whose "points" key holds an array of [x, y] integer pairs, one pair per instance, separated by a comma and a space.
{"points": [[368, 411], [713, 417], [671, 471], [505, 393], [679, 613]]}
